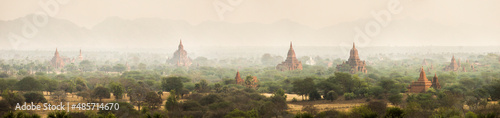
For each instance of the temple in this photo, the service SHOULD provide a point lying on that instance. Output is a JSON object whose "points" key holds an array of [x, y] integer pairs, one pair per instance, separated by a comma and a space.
{"points": [[80, 57], [353, 64], [453, 65], [291, 62], [435, 82], [180, 57], [421, 85], [238, 79], [424, 63], [254, 83], [57, 61]]}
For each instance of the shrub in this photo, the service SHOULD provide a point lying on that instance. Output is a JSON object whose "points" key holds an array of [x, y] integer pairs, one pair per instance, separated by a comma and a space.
{"points": [[314, 95], [331, 95], [362, 111], [294, 99], [394, 112], [470, 114], [304, 115], [349, 96], [236, 113]]}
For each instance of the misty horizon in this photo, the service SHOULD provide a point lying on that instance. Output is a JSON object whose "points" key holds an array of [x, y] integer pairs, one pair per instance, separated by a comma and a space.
{"points": [[200, 24]]}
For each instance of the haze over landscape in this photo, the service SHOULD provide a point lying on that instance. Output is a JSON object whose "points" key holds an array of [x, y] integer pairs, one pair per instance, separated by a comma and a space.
{"points": [[250, 58], [95, 24]]}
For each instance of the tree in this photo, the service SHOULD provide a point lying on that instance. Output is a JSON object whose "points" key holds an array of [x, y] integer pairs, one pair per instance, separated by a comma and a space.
{"points": [[142, 66], [280, 92], [171, 104], [80, 84], [494, 89], [303, 87], [71, 67], [20, 114], [395, 112], [327, 86], [217, 87], [202, 86], [49, 85], [58, 114], [58, 96], [275, 107], [250, 83], [331, 95], [119, 68], [349, 96], [344, 80], [314, 95], [387, 86], [137, 94], [67, 86], [35, 97], [378, 107], [362, 112], [304, 115], [86, 65], [236, 113], [3, 85], [28, 84], [267, 59], [101, 92], [117, 90], [153, 100], [395, 99], [172, 83], [11, 99]]}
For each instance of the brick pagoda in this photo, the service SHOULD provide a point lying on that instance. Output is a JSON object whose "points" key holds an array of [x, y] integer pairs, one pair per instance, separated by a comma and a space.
{"points": [[453, 65], [180, 57], [435, 82], [421, 85], [57, 61], [291, 62], [356, 64]]}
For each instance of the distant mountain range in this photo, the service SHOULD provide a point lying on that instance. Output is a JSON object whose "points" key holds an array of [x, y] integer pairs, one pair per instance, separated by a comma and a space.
{"points": [[116, 32]]}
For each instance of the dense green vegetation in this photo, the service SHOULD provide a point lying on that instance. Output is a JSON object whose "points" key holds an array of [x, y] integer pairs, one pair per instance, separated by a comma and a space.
{"points": [[209, 90]]}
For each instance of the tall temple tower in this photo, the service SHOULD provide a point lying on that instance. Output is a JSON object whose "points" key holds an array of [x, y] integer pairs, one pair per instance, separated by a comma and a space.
{"points": [[57, 61], [356, 65], [435, 82], [421, 85], [291, 62], [453, 65], [80, 57], [424, 63], [180, 57], [238, 79]]}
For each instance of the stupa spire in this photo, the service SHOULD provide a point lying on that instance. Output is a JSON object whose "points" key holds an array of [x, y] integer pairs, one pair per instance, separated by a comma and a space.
{"points": [[238, 78], [435, 82], [422, 75], [291, 62], [180, 45]]}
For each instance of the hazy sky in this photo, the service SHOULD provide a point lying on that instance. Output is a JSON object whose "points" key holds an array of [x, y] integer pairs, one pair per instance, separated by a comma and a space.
{"points": [[420, 22], [313, 13]]}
